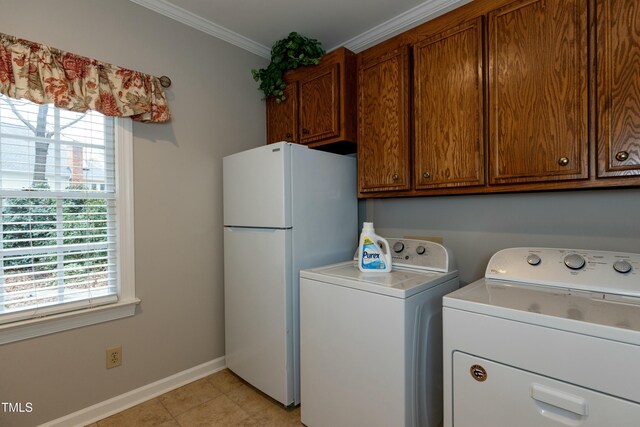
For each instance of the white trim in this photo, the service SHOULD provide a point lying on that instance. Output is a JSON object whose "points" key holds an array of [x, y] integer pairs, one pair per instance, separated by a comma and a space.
{"points": [[127, 400], [124, 206], [17, 331], [409, 19], [179, 14]]}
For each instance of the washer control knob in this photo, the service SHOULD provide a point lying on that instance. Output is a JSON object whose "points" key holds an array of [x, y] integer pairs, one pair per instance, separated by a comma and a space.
{"points": [[574, 261], [533, 259], [398, 247], [622, 266], [420, 250]]}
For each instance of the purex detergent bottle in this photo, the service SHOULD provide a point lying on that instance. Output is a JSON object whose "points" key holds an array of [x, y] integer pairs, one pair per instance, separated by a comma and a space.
{"points": [[371, 256]]}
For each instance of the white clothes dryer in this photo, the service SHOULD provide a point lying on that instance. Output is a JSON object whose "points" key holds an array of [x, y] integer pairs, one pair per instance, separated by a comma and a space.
{"points": [[371, 343], [549, 338]]}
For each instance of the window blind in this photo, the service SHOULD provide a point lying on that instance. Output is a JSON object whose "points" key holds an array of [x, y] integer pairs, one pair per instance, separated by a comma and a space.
{"points": [[58, 203]]}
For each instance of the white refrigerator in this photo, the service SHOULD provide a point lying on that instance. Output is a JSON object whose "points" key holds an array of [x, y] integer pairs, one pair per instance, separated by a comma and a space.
{"points": [[286, 208]]}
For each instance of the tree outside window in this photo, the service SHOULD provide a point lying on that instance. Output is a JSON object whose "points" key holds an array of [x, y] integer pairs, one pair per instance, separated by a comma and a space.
{"points": [[57, 198]]}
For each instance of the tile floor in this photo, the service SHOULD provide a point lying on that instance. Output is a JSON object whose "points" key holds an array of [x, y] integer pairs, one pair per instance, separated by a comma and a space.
{"points": [[221, 399]]}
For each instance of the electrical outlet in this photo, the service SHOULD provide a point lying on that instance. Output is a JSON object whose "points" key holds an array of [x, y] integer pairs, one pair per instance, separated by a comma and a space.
{"points": [[114, 357]]}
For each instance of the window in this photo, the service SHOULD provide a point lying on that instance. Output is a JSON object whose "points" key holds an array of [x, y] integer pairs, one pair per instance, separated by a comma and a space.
{"points": [[65, 199]]}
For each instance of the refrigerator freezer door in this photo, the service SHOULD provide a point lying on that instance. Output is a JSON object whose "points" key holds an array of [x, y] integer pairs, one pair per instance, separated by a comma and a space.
{"points": [[257, 187], [258, 309]]}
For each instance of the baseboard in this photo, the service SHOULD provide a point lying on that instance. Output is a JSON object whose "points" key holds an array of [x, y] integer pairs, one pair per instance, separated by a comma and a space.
{"points": [[117, 404]]}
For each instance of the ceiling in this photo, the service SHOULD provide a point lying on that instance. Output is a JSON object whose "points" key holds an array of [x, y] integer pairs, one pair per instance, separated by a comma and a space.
{"points": [[255, 25]]}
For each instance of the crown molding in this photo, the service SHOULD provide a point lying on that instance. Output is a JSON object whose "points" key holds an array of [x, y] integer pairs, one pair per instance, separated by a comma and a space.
{"points": [[413, 17], [188, 18], [409, 19]]}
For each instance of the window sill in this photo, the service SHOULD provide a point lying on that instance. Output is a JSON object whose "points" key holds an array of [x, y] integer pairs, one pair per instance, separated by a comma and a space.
{"points": [[32, 328]]}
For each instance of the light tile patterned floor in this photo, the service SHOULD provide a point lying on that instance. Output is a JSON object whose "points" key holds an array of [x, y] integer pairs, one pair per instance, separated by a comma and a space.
{"points": [[221, 399]]}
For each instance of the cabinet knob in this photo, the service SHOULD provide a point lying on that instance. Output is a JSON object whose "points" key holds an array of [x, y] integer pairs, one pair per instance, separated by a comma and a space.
{"points": [[395, 177], [621, 156], [305, 131], [289, 135], [563, 161], [426, 175]]}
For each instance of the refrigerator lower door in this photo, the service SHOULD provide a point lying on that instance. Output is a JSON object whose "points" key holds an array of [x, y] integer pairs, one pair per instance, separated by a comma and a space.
{"points": [[259, 309]]}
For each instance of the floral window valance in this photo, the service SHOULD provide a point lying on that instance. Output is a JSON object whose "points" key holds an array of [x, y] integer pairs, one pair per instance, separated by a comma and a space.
{"points": [[46, 75]]}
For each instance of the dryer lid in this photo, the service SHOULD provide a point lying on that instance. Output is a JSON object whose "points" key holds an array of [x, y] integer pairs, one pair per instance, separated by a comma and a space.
{"points": [[590, 313]]}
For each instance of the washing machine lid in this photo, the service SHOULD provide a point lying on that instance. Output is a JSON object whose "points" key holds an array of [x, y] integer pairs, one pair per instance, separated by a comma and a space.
{"points": [[399, 283], [598, 314]]}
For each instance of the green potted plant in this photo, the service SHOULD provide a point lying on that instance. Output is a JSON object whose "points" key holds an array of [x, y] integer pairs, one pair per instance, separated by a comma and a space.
{"points": [[286, 54]]}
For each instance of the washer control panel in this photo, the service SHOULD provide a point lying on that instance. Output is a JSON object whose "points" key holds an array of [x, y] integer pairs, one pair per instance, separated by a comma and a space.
{"points": [[597, 271], [419, 254]]}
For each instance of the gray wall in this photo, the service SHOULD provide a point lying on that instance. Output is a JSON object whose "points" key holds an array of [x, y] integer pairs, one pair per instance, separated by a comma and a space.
{"points": [[475, 227], [178, 205]]}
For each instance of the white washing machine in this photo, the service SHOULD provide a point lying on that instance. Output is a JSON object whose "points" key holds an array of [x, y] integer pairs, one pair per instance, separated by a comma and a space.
{"points": [[371, 343], [550, 337]]}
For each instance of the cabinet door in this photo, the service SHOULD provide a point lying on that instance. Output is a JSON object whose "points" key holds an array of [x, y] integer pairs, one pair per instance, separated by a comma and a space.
{"points": [[282, 119], [538, 91], [618, 110], [448, 106], [319, 105], [383, 123]]}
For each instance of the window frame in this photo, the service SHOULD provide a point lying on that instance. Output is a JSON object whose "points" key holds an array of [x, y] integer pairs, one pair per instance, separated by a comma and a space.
{"points": [[127, 300]]}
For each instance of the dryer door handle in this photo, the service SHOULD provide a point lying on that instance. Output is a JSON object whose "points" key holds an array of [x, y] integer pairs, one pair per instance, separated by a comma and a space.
{"points": [[559, 399]]}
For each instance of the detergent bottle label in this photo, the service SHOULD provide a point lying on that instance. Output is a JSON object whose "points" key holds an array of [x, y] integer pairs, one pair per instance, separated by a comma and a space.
{"points": [[372, 258]]}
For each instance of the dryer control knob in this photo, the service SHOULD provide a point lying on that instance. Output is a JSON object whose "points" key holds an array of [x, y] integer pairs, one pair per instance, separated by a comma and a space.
{"points": [[533, 259], [622, 266], [420, 250], [574, 261], [398, 247]]}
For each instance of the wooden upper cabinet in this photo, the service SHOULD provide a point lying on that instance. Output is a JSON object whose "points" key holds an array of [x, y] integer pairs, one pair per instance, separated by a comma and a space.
{"points": [[320, 110], [383, 122], [319, 106], [538, 111], [448, 108], [282, 119], [618, 87]]}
